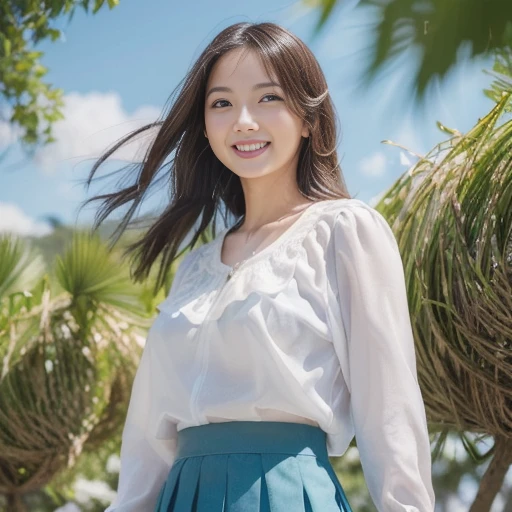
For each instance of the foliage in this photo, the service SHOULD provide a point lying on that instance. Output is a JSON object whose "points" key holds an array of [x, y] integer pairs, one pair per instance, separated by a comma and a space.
{"points": [[452, 213], [20, 269], [438, 28], [71, 330], [68, 360], [35, 105], [502, 72]]}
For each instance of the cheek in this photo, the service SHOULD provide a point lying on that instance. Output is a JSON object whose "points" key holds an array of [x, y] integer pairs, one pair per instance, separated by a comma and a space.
{"points": [[288, 131], [215, 121], [286, 123], [217, 127]]}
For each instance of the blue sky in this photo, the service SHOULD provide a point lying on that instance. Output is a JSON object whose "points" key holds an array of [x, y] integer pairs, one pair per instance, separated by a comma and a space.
{"points": [[118, 68]]}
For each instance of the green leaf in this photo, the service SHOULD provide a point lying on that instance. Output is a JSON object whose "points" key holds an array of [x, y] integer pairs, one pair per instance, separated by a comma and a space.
{"points": [[23, 26], [7, 47], [439, 29], [54, 34], [502, 72], [20, 266], [88, 270]]}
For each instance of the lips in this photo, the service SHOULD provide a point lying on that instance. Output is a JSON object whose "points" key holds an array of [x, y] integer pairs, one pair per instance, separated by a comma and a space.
{"points": [[248, 142], [251, 154]]}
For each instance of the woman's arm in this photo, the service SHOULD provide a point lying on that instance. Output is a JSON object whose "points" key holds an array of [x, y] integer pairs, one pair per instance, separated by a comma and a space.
{"points": [[145, 460], [149, 442], [387, 408]]}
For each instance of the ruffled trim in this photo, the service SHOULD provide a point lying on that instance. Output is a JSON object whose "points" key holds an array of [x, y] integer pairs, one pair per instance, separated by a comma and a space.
{"points": [[202, 273], [192, 288], [287, 245]]}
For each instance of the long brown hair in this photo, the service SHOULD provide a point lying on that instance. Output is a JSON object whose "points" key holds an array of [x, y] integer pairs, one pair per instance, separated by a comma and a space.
{"points": [[199, 182]]}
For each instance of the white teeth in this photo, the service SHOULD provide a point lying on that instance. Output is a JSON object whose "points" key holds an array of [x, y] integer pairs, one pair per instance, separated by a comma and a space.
{"points": [[251, 147]]}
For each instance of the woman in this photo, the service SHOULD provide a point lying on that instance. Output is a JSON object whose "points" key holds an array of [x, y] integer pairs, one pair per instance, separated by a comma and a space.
{"points": [[289, 332]]}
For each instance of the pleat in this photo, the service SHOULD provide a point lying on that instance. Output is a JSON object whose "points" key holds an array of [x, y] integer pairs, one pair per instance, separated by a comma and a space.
{"points": [[212, 483], [169, 486], [251, 482], [318, 488], [264, 500], [283, 480], [307, 503], [244, 482], [188, 484]]}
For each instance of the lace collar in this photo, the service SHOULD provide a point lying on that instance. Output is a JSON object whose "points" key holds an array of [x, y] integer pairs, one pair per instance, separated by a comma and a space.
{"points": [[294, 233]]}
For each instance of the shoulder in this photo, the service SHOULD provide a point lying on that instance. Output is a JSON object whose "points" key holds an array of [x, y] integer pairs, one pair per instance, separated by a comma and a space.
{"points": [[357, 211], [204, 249], [354, 222], [186, 276], [187, 263], [193, 257], [340, 214], [351, 206], [200, 257]]}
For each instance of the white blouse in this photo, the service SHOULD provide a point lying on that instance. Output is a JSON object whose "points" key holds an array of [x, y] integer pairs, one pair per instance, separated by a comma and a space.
{"points": [[314, 328]]}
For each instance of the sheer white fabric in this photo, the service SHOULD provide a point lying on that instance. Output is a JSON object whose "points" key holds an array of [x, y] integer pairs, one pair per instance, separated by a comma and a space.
{"points": [[314, 328]]}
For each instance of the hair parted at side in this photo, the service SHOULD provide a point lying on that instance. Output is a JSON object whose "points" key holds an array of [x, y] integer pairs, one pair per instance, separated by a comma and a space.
{"points": [[199, 182]]}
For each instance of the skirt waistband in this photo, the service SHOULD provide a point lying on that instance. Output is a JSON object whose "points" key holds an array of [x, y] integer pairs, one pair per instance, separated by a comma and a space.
{"points": [[252, 437]]}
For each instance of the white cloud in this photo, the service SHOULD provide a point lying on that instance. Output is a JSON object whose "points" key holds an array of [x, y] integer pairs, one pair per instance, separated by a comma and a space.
{"points": [[373, 165], [14, 220], [9, 133], [93, 122]]}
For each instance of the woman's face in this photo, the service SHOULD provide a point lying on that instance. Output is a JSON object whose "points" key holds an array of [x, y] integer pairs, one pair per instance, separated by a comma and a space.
{"points": [[239, 111]]}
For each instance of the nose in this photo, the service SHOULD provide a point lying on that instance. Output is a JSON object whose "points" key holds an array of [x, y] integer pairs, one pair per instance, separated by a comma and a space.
{"points": [[245, 121]]}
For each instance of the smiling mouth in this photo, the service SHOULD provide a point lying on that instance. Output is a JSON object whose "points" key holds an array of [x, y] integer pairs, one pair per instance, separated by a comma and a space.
{"points": [[248, 151], [250, 154]]}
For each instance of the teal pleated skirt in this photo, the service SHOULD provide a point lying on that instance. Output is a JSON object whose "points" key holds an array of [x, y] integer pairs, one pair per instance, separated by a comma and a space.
{"points": [[252, 466]]}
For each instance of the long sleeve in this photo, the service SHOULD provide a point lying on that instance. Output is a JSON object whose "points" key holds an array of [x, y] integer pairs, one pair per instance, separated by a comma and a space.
{"points": [[145, 459], [387, 408], [149, 439]]}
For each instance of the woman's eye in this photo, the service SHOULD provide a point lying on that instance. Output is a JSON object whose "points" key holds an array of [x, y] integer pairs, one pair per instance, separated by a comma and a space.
{"points": [[215, 104], [271, 95], [219, 101]]}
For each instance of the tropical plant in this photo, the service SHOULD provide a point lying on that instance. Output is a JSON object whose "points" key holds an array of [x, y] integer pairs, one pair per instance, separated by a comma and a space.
{"points": [[32, 104], [452, 216], [437, 28], [502, 73], [69, 351]]}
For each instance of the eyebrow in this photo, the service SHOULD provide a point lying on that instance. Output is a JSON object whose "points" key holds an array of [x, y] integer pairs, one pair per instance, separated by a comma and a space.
{"points": [[255, 87]]}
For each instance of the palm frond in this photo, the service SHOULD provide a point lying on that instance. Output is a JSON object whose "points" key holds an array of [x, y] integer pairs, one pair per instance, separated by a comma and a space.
{"points": [[20, 265], [452, 216], [438, 29], [90, 273]]}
